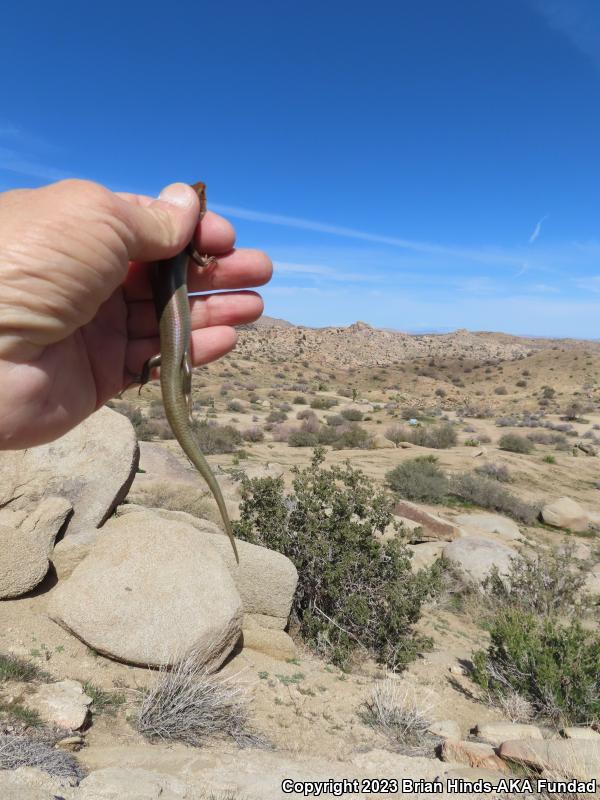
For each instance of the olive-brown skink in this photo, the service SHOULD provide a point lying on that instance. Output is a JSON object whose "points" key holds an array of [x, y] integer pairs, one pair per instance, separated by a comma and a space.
{"points": [[169, 288]]}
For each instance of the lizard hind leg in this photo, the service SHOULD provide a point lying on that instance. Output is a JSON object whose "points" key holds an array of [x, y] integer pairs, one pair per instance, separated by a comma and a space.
{"points": [[146, 369]]}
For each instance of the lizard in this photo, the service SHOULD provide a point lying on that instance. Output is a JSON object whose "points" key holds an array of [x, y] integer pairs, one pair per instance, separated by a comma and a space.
{"points": [[170, 295]]}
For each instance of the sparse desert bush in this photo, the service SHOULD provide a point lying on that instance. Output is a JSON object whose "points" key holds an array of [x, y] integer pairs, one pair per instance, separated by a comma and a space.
{"points": [[471, 442], [353, 438], [439, 437], [276, 416], [396, 434], [419, 479], [235, 406], [282, 433], [177, 498], [323, 403], [144, 428], [302, 438], [544, 583], [501, 390], [552, 664], [214, 438], [356, 595], [334, 420], [306, 413], [300, 400], [189, 705], [515, 443], [441, 392], [549, 459], [253, 434], [410, 412], [488, 493], [27, 751], [394, 709], [352, 414], [499, 472]]}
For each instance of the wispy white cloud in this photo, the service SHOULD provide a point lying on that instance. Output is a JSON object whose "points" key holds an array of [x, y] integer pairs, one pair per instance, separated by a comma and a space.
{"points": [[328, 273], [537, 229], [12, 161], [481, 255], [577, 20]]}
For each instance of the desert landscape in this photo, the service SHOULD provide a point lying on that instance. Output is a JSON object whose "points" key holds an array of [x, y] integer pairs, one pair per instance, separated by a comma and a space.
{"points": [[418, 523]]}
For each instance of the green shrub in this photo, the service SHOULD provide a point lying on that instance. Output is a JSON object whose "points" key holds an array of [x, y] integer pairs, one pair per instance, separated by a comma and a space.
{"points": [[515, 443], [419, 479], [303, 438], [354, 438], [253, 434], [545, 583], [144, 428], [488, 493], [277, 416], [553, 665], [352, 414], [355, 594], [216, 438], [549, 459], [323, 403], [439, 437], [471, 442]]}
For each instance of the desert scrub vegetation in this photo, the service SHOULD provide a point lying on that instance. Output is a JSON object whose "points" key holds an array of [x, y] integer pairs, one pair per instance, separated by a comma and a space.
{"points": [[488, 493], [13, 668], [189, 705], [29, 751], [420, 480], [515, 443], [196, 502], [438, 437], [394, 709], [213, 438], [554, 665], [356, 595], [540, 654], [499, 472]]}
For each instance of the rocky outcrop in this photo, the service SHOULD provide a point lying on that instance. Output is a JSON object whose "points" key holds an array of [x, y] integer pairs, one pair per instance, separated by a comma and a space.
{"points": [[568, 758], [432, 528], [26, 542], [265, 579], [475, 557], [495, 733], [63, 704], [91, 467], [472, 754], [566, 513], [500, 527], [151, 593]]}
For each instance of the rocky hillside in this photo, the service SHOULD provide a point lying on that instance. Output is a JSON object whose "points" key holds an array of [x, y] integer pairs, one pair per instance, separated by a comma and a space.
{"points": [[361, 345]]}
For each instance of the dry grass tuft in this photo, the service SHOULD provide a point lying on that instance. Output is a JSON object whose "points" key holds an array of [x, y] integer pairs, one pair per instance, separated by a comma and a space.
{"points": [[189, 705], [395, 710], [25, 751]]}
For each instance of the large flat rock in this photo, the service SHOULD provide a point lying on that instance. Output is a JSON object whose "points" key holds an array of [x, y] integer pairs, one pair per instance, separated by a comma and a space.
{"points": [[149, 593]]}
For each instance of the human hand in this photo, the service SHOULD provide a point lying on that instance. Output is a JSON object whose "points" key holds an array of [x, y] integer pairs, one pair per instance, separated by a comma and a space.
{"points": [[77, 319]]}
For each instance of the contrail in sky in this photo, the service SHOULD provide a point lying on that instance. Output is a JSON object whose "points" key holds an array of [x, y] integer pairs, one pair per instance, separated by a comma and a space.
{"points": [[537, 229]]}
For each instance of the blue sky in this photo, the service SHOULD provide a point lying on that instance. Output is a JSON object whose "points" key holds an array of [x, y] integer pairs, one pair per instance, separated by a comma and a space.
{"points": [[418, 165]]}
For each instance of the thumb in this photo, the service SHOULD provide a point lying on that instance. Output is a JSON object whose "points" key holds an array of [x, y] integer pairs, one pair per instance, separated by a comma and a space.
{"points": [[160, 227]]}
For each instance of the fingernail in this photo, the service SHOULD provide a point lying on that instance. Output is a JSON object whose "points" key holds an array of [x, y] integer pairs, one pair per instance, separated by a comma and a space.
{"points": [[178, 194]]}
